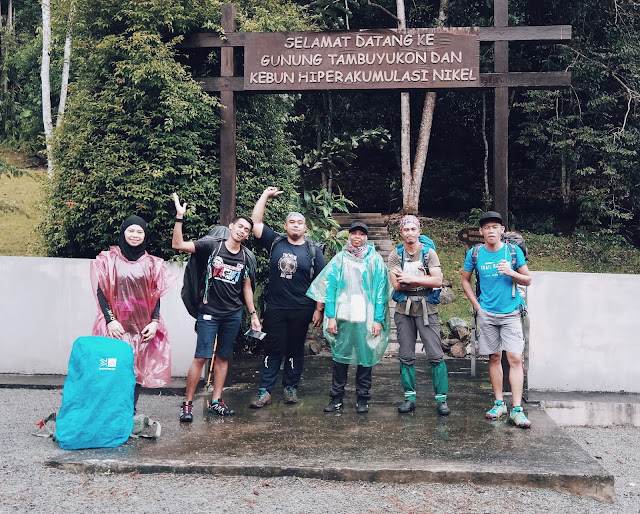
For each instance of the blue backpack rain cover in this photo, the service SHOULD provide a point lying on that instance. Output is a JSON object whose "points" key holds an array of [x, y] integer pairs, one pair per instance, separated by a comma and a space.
{"points": [[97, 399]]}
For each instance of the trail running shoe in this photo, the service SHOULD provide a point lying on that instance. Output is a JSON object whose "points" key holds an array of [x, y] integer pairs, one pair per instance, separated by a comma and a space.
{"points": [[290, 395], [518, 418], [186, 412], [219, 407], [499, 409], [263, 397]]}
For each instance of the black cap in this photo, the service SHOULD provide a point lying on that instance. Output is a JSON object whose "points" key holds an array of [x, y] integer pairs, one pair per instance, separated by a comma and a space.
{"points": [[358, 225], [491, 216]]}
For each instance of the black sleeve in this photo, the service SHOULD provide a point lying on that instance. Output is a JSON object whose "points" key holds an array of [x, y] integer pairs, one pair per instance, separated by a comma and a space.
{"points": [[268, 237], [156, 311], [104, 306]]}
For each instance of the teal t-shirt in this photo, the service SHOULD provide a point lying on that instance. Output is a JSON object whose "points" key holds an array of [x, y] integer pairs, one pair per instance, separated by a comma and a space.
{"points": [[496, 289]]}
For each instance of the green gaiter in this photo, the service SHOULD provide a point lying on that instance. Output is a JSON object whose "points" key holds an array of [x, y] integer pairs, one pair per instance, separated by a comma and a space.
{"points": [[408, 380], [440, 381]]}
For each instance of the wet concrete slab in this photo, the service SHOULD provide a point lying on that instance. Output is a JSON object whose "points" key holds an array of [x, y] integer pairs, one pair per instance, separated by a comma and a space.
{"points": [[381, 446]]}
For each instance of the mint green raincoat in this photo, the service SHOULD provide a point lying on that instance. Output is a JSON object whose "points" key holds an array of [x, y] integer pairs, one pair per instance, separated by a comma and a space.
{"points": [[356, 292]]}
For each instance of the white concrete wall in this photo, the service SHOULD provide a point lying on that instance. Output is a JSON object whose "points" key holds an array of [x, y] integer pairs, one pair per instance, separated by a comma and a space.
{"points": [[46, 303], [584, 335], [584, 332]]}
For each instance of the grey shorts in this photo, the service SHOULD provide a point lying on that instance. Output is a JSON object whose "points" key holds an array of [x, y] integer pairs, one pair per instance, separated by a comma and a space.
{"points": [[499, 332]]}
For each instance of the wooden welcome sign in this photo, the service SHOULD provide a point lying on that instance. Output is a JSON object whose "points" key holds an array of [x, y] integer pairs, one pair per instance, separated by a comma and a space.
{"points": [[391, 59], [371, 59]]}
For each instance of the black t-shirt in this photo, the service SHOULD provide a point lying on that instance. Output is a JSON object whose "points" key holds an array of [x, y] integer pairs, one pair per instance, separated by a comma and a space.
{"points": [[289, 267], [228, 272]]}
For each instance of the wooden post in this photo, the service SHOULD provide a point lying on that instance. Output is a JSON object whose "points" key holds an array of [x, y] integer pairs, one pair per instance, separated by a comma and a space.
{"points": [[228, 128], [501, 117], [501, 138]]}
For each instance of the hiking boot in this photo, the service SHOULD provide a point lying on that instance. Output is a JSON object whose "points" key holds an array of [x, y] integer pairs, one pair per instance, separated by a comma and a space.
{"points": [[218, 407], [263, 397], [407, 406], [290, 395], [518, 418], [186, 412], [443, 409], [362, 407], [333, 406], [498, 410]]}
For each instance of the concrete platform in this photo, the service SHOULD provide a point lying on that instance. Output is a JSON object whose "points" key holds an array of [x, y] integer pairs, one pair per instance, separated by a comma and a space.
{"points": [[381, 446]]}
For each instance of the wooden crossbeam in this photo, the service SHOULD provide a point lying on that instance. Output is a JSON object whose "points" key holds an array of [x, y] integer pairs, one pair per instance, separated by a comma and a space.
{"points": [[543, 34]]}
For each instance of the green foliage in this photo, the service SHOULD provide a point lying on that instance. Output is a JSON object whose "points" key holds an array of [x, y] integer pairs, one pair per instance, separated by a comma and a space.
{"points": [[333, 14], [273, 16], [338, 154], [7, 169], [137, 128], [317, 207]]}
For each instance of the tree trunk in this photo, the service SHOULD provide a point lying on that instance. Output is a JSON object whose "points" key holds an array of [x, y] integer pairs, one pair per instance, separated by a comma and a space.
{"points": [[46, 85], [565, 183], [412, 177], [405, 122], [65, 67], [486, 147]]}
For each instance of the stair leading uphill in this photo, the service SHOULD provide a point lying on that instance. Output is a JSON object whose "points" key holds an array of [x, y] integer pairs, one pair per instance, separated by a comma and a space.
{"points": [[379, 235]]}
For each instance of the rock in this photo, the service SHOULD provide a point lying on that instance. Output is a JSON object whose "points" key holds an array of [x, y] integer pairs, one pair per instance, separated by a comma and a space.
{"points": [[458, 350], [314, 343], [461, 333], [448, 343], [447, 295], [456, 322]]}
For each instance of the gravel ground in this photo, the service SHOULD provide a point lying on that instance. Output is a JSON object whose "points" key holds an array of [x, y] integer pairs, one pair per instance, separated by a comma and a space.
{"points": [[26, 485]]}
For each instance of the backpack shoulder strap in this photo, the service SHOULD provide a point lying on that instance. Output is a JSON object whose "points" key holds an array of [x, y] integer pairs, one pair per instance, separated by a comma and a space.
{"points": [[513, 253], [279, 237], [474, 254], [311, 246]]}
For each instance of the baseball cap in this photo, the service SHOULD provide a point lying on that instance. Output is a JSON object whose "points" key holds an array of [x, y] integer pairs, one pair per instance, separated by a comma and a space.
{"points": [[491, 216], [358, 225]]}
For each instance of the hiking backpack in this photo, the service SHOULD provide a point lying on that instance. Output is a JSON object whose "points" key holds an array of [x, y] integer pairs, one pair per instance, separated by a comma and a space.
{"points": [[97, 398], [511, 240], [193, 282], [427, 244]]}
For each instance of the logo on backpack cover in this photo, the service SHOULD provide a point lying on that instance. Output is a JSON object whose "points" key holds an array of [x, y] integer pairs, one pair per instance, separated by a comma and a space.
{"points": [[108, 364]]}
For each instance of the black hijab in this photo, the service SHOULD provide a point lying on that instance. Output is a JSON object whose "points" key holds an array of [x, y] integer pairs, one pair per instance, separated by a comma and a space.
{"points": [[133, 253]]}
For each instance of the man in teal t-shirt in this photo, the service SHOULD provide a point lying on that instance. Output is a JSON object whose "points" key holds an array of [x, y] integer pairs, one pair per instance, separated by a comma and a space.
{"points": [[500, 267]]}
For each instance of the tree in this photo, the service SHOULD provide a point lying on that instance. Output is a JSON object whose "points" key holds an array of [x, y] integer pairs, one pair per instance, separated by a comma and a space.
{"points": [[139, 127], [412, 175]]}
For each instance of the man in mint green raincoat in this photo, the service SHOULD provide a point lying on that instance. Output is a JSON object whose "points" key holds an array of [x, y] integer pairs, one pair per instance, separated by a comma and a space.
{"points": [[355, 289]]}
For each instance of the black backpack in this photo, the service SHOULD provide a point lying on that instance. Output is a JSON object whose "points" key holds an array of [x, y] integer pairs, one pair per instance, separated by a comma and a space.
{"points": [[193, 282]]}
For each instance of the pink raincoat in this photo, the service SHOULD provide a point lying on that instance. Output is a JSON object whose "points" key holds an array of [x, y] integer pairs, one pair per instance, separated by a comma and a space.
{"points": [[132, 289]]}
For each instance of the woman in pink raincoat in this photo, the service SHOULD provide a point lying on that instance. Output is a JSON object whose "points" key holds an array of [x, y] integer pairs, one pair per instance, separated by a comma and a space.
{"points": [[128, 283]]}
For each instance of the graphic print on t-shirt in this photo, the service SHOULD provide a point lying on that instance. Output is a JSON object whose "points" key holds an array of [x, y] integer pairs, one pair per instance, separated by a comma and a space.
{"points": [[225, 272], [288, 265]]}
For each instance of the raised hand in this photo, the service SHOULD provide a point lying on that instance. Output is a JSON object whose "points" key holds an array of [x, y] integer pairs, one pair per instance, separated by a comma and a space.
{"points": [[180, 209], [272, 191]]}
